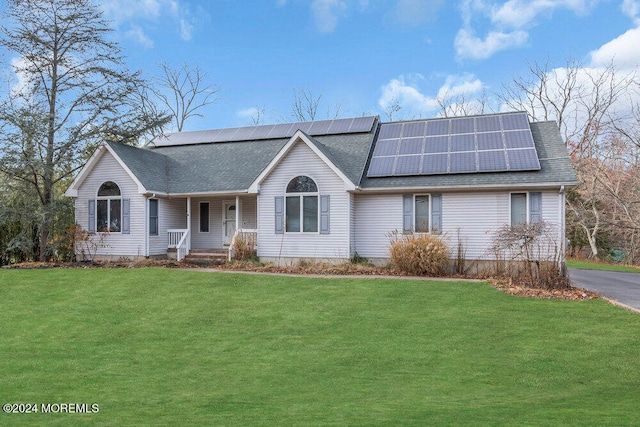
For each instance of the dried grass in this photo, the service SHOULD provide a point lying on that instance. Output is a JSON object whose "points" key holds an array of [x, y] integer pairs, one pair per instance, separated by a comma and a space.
{"points": [[419, 254]]}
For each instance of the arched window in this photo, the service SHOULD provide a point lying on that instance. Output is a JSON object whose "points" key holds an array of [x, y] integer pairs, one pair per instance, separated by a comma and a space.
{"points": [[109, 208], [302, 206]]}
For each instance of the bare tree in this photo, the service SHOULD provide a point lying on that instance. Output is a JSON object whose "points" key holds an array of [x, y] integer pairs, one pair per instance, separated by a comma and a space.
{"points": [[305, 107], [72, 90], [393, 108], [184, 92], [452, 105]]}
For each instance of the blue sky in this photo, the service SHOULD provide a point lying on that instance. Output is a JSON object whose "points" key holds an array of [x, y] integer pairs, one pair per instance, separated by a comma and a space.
{"points": [[362, 54]]}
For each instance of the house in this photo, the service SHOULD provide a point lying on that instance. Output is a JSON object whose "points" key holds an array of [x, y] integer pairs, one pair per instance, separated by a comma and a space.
{"points": [[326, 189]]}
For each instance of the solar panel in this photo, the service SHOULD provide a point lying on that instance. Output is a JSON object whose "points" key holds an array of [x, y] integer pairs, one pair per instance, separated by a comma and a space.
{"points": [[462, 143], [303, 126], [362, 124], [254, 133], [437, 127], [381, 166], [413, 129], [515, 121], [436, 144], [523, 159], [244, 134], [393, 130], [435, 164], [462, 162], [387, 147], [518, 139], [491, 143], [261, 132], [225, 135], [282, 130], [492, 161], [411, 146], [320, 127], [462, 125], [488, 124], [408, 165], [340, 126]]}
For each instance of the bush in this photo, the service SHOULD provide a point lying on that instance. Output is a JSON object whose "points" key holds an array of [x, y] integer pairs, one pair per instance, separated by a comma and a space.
{"points": [[244, 247], [419, 254], [529, 255]]}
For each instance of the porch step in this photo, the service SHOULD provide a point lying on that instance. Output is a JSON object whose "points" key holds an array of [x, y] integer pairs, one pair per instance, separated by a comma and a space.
{"points": [[207, 257]]}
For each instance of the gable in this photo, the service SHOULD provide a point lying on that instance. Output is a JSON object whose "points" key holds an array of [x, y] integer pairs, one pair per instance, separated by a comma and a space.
{"points": [[108, 168], [313, 153], [103, 154]]}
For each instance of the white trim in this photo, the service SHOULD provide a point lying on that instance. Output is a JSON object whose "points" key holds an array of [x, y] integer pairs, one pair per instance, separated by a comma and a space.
{"points": [[225, 205], [299, 136], [513, 186]]}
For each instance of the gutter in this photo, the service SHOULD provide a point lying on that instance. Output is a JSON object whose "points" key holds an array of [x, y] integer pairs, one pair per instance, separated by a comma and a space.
{"points": [[465, 187]]}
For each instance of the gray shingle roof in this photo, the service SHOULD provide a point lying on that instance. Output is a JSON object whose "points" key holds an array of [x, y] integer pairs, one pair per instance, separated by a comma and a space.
{"points": [[233, 166]]}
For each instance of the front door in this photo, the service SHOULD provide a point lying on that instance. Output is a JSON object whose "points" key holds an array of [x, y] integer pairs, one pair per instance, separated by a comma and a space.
{"points": [[228, 222]]}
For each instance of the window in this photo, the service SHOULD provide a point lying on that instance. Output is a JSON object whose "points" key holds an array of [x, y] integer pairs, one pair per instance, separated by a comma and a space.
{"points": [[518, 208], [109, 208], [204, 217], [421, 204], [153, 217], [422, 213], [301, 208], [526, 207]]}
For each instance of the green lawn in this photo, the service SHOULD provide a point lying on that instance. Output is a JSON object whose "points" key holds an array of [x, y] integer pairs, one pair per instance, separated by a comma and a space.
{"points": [[169, 347], [590, 265]]}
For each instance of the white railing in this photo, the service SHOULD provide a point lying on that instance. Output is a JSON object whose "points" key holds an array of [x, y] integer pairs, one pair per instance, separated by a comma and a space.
{"points": [[179, 240], [249, 235]]}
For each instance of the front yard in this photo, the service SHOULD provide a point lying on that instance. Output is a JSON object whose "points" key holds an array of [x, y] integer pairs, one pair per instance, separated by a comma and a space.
{"points": [[167, 347]]}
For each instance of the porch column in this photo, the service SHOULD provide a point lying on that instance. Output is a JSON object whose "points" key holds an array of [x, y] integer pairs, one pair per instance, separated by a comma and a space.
{"points": [[189, 221], [238, 225]]}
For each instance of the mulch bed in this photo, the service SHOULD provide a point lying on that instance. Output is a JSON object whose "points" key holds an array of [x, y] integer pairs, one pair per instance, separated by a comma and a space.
{"points": [[573, 294]]}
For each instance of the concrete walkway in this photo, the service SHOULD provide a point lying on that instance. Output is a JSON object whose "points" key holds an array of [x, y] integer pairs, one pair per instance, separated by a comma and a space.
{"points": [[623, 288]]}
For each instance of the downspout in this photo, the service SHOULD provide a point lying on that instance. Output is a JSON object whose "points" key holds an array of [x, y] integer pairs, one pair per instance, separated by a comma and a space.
{"points": [[562, 231], [146, 227]]}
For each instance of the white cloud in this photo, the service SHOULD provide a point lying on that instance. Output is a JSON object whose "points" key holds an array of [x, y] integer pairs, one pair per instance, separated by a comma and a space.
{"points": [[138, 35], [624, 51], [632, 9], [414, 12], [406, 92], [139, 12], [508, 22], [522, 13], [326, 14], [22, 81], [248, 113], [467, 45]]}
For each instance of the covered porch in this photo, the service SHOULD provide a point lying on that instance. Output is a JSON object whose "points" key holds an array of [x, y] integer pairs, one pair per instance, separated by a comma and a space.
{"points": [[211, 223]]}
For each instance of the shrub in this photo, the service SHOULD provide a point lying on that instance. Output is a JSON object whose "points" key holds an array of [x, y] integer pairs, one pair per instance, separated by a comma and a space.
{"points": [[419, 254], [530, 255], [244, 247]]}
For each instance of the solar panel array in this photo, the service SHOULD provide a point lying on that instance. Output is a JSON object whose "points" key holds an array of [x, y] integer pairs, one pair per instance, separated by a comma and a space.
{"points": [[253, 133], [492, 143]]}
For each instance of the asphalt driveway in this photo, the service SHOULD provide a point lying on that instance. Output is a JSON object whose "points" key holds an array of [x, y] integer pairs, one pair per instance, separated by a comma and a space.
{"points": [[621, 287]]}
